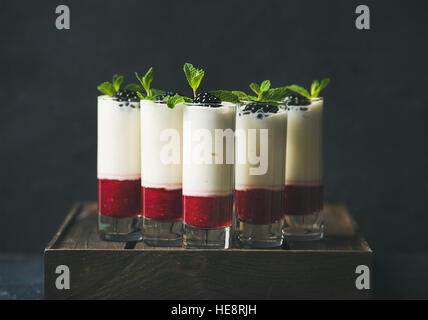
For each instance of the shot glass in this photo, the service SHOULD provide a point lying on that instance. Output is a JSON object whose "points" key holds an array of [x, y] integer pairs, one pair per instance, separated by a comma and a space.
{"points": [[261, 130], [208, 175], [161, 172], [303, 179], [118, 170]]}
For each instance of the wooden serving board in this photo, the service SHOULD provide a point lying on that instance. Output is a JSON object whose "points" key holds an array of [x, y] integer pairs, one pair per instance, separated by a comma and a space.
{"points": [[98, 269]]}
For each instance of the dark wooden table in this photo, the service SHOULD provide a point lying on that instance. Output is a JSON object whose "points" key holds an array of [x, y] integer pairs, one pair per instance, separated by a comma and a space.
{"points": [[396, 275], [109, 270]]}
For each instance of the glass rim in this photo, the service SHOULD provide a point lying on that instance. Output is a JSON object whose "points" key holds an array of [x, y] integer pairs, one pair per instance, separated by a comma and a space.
{"points": [[114, 99], [106, 97], [311, 100], [223, 104], [244, 102], [152, 101]]}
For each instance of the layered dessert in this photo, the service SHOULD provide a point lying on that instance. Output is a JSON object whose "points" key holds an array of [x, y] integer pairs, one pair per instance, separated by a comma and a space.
{"points": [[161, 171], [303, 182], [260, 138], [259, 172], [118, 165], [208, 169], [303, 179]]}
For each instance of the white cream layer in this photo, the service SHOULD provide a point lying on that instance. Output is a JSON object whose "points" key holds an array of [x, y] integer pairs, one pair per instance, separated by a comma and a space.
{"points": [[273, 178], [161, 141], [118, 139], [304, 144], [202, 179]]}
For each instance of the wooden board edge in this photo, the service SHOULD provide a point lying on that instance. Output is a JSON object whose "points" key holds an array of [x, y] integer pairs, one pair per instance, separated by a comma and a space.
{"points": [[75, 210], [53, 258], [368, 253]]}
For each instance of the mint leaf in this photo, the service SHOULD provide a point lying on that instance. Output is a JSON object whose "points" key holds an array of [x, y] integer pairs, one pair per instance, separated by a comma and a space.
{"points": [[138, 78], [255, 87], [265, 86], [141, 96], [314, 87], [189, 72], [225, 95], [107, 88], [241, 95], [252, 98], [156, 92], [197, 80], [276, 94], [194, 76], [172, 101], [300, 90], [117, 82], [133, 87], [260, 90], [146, 80], [324, 83]]}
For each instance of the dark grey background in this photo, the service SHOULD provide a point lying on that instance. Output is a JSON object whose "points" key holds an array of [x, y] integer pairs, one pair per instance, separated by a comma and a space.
{"points": [[375, 110]]}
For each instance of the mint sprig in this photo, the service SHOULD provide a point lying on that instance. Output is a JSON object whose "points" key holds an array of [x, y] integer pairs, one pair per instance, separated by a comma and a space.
{"points": [[111, 88], [194, 76], [265, 86], [224, 95], [156, 92], [316, 88], [117, 82], [276, 94], [146, 80], [241, 95], [265, 93], [133, 87], [256, 88], [172, 101], [107, 88], [300, 90]]}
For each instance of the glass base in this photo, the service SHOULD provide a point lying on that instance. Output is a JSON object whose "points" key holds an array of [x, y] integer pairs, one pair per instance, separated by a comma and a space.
{"points": [[199, 238], [259, 235], [119, 229], [304, 227], [162, 233]]}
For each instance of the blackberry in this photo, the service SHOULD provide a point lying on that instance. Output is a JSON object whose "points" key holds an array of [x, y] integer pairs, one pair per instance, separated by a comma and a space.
{"points": [[263, 106], [162, 97], [298, 100], [127, 95], [207, 99]]}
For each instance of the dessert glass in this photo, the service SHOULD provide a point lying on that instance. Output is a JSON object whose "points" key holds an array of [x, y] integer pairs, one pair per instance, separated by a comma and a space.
{"points": [[118, 170], [161, 172], [208, 175], [303, 179], [259, 173]]}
